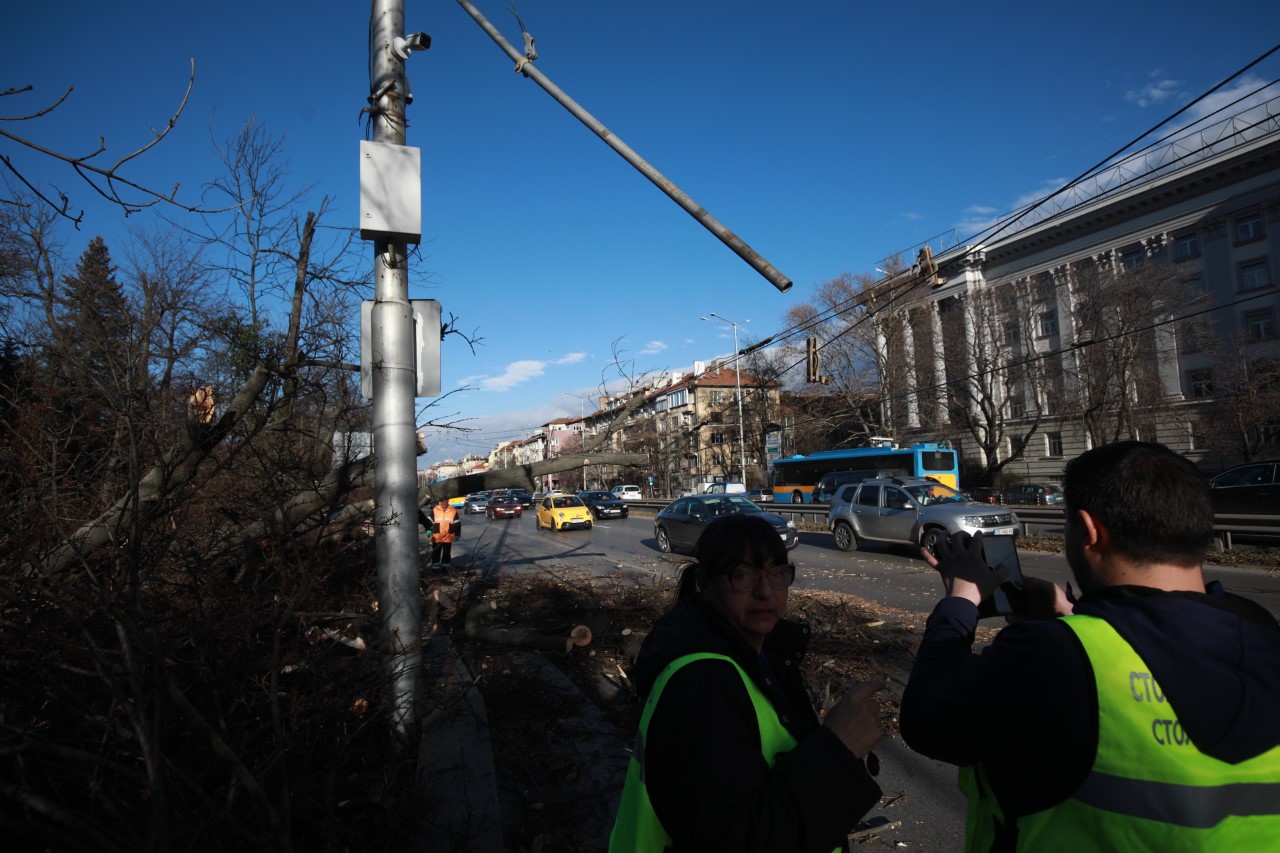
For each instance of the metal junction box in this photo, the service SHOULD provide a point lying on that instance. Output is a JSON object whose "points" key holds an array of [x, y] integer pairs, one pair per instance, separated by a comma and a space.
{"points": [[390, 192]]}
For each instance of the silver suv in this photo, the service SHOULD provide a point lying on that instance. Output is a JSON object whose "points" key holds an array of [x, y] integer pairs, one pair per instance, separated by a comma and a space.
{"points": [[912, 511]]}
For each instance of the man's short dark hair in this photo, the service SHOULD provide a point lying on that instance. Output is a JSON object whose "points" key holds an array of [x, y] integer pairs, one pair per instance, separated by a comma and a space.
{"points": [[1154, 502]]}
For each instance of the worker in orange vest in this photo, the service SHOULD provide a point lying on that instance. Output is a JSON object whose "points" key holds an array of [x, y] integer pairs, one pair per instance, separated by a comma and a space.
{"points": [[444, 528]]}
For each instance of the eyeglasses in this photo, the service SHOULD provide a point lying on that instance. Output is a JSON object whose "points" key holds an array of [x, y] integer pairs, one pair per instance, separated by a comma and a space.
{"points": [[745, 578]]}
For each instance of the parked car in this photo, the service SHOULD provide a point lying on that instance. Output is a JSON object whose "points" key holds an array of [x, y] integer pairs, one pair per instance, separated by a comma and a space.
{"points": [[628, 493], [560, 512], [911, 511], [476, 502], [758, 495], [604, 505], [725, 489], [1248, 488], [678, 525], [503, 506], [1034, 494]]}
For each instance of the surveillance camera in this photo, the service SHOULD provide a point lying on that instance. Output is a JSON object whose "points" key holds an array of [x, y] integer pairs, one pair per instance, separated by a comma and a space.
{"points": [[402, 47]]}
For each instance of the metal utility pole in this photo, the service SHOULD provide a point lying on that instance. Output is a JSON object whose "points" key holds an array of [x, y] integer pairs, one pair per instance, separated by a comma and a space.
{"points": [[737, 372], [393, 386], [524, 64]]}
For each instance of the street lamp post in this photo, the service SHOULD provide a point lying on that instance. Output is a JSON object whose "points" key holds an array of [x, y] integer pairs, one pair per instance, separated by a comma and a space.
{"points": [[737, 372], [582, 436]]}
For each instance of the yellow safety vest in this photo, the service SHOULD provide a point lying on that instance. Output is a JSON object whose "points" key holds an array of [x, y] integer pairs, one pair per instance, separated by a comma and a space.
{"points": [[1150, 788], [637, 827]]}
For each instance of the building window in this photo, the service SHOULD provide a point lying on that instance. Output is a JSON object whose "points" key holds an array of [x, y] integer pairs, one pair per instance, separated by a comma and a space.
{"points": [[1200, 383], [1048, 324], [1017, 403], [660, 404], [1196, 436], [1249, 228], [1190, 338], [1254, 275], [1196, 290], [1132, 258], [1053, 441], [1044, 287], [1260, 325], [717, 438], [1012, 334], [1186, 246], [679, 398]]}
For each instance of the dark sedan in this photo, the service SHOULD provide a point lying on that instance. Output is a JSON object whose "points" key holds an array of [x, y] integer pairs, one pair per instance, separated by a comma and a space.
{"points": [[1253, 487], [679, 524], [605, 504]]}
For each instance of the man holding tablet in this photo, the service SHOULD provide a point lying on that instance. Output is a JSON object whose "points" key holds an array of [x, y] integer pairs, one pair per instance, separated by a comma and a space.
{"points": [[1141, 716]]}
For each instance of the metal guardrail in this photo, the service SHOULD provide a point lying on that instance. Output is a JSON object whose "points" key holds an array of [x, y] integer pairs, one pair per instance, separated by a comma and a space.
{"points": [[1225, 524]]}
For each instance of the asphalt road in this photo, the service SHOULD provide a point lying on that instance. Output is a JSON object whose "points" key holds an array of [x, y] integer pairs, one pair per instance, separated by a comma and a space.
{"points": [[922, 808], [886, 574]]}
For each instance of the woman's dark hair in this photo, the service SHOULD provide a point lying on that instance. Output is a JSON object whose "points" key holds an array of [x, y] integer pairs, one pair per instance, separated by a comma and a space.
{"points": [[1154, 502], [726, 542]]}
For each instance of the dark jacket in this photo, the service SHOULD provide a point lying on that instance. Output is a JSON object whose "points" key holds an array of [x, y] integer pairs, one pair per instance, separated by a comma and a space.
{"points": [[706, 778], [1027, 706]]}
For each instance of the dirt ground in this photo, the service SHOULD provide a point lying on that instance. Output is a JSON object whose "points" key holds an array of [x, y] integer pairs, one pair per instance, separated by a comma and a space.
{"points": [[562, 716]]}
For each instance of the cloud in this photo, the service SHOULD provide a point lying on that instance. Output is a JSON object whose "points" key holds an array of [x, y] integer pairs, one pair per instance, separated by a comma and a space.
{"points": [[517, 372], [653, 348], [978, 219], [1154, 93], [571, 358]]}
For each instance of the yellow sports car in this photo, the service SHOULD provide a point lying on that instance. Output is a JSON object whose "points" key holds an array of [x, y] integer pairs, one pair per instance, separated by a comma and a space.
{"points": [[560, 512]]}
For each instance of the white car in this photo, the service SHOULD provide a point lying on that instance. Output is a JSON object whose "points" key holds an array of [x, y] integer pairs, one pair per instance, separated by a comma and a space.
{"points": [[628, 493]]}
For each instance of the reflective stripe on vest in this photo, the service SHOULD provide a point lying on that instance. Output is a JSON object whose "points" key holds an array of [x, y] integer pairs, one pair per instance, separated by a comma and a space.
{"points": [[637, 827], [1149, 787]]}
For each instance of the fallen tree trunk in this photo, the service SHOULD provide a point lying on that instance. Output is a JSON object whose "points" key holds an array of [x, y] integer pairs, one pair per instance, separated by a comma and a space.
{"points": [[175, 469], [521, 476]]}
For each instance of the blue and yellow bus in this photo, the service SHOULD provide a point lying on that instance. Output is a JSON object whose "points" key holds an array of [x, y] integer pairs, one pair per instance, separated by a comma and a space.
{"points": [[793, 478]]}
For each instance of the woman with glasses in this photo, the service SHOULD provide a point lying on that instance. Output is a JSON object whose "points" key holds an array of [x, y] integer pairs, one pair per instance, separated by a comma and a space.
{"points": [[730, 754]]}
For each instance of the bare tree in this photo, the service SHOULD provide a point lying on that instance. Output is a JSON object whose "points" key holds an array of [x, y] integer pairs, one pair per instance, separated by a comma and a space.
{"points": [[864, 329], [1121, 340], [1245, 391], [992, 373], [108, 179]]}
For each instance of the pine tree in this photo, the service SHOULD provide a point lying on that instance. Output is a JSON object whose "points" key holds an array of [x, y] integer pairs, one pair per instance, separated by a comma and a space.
{"points": [[95, 318]]}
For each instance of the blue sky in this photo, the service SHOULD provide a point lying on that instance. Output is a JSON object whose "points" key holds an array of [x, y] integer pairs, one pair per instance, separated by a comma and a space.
{"points": [[826, 134]]}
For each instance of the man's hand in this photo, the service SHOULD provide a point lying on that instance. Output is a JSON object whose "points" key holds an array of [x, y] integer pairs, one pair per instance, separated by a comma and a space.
{"points": [[964, 569], [1045, 600], [854, 719]]}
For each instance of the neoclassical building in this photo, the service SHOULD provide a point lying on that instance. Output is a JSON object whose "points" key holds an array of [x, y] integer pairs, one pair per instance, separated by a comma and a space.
{"points": [[1140, 303]]}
